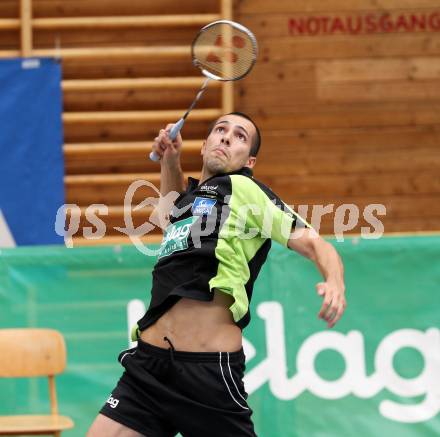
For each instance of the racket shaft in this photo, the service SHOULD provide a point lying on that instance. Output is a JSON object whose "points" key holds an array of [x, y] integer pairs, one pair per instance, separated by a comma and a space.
{"points": [[197, 98], [178, 126]]}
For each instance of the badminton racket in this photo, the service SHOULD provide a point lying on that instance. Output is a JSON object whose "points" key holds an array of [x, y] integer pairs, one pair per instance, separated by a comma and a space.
{"points": [[223, 50]]}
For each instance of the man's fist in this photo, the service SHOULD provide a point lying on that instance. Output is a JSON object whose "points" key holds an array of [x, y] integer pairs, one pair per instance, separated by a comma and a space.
{"points": [[334, 302], [168, 151]]}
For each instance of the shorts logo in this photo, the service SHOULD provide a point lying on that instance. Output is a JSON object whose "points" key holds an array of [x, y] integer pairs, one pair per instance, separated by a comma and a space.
{"points": [[113, 402], [203, 206], [176, 237]]}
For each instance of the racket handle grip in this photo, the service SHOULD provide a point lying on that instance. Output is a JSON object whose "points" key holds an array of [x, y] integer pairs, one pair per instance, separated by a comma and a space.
{"points": [[154, 156], [173, 134], [176, 129]]}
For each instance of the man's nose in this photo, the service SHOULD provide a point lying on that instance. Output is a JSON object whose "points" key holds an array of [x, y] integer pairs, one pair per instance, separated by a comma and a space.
{"points": [[225, 139]]}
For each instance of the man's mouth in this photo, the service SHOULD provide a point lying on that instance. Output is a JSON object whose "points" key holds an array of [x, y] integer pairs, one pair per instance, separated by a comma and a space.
{"points": [[220, 151]]}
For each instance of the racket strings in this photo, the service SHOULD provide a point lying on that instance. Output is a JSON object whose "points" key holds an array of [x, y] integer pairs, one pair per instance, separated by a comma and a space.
{"points": [[226, 52]]}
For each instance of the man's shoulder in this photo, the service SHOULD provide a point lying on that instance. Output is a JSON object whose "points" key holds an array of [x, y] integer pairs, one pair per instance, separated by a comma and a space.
{"points": [[249, 182]]}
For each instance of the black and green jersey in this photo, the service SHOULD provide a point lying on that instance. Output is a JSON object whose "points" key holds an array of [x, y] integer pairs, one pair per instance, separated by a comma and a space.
{"points": [[219, 235]]}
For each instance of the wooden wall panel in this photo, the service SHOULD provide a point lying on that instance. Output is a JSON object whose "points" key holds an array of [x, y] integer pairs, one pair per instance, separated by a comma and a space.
{"points": [[372, 70], [135, 36], [9, 9], [119, 67], [341, 92], [9, 39], [90, 8], [346, 118], [403, 213], [130, 162], [349, 162], [313, 116], [340, 46], [133, 131], [131, 99], [245, 7], [357, 185]]}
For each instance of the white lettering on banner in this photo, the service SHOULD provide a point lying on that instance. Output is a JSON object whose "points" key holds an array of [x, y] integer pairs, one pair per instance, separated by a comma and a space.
{"points": [[354, 381], [6, 238]]}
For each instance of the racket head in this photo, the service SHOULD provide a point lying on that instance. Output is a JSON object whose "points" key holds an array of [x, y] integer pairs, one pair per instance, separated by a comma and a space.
{"points": [[224, 50]]}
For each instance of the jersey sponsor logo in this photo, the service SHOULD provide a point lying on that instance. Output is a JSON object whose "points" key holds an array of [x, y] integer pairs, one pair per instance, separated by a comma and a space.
{"points": [[113, 402], [209, 188], [176, 237], [203, 206]]}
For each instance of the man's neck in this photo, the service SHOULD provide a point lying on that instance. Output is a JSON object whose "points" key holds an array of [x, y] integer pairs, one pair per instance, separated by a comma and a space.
{"points": [[206, 174]]}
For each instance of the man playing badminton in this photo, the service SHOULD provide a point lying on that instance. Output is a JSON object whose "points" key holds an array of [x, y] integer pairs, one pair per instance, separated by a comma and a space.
{"points": [[185, 375]]}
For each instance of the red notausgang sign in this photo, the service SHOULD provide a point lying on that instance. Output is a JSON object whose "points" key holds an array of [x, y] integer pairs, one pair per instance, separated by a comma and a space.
{"points": [[367, 23]]}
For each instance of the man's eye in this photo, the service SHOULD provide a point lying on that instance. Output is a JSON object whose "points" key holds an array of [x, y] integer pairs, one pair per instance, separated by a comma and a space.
{"points": [[219, 129], [241, 137]]}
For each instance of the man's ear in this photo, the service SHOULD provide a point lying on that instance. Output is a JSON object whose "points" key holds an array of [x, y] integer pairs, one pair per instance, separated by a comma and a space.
{"points": [[202, 150], [252, 160]]}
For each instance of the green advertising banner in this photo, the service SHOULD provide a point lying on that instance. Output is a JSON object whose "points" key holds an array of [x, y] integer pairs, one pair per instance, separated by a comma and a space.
{"points": [[377, 373]]}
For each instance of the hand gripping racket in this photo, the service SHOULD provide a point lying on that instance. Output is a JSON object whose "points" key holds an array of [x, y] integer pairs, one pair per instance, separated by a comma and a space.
{"points": [[223, 50]]}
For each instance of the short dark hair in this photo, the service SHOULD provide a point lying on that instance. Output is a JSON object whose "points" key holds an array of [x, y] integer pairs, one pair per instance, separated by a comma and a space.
{"points": [[255, 147]]}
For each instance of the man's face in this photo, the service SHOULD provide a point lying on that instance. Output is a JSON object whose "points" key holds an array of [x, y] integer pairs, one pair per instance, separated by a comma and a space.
{"points": [[228, 145]]}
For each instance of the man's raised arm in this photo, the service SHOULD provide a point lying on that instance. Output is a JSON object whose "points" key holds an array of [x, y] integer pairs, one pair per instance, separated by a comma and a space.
{"points": [[171, 174]]}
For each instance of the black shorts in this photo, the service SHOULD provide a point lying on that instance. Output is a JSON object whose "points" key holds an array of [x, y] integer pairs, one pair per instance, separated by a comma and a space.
{"points": [[164, 391]]}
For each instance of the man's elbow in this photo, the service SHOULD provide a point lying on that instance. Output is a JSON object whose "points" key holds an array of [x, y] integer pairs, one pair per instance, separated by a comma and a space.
{"points": [[317, 246], [307, 243]]}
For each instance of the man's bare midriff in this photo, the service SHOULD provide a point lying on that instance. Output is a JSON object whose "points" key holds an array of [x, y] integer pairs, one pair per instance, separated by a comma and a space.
{"points": [[197, 326]]}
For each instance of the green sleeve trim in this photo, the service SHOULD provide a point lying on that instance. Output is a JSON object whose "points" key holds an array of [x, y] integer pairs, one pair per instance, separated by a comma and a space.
{"points": [[134, 334]]}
